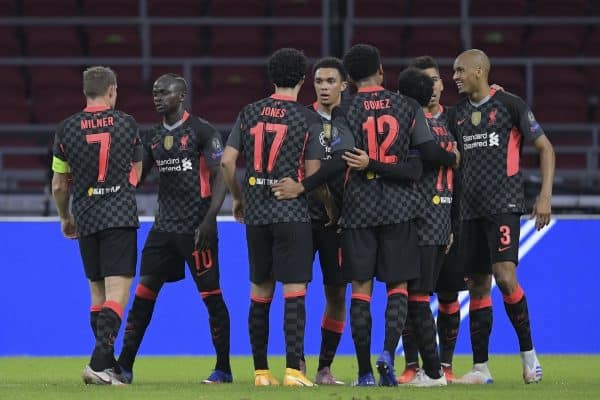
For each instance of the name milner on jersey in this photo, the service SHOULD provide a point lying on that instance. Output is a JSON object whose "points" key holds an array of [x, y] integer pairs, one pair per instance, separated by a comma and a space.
{"points": [[97, 123]]}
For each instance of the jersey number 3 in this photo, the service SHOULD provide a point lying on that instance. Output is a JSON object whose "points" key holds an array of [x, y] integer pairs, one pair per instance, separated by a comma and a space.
{"points": [[376, 126], [258, 131], [103, 139]]}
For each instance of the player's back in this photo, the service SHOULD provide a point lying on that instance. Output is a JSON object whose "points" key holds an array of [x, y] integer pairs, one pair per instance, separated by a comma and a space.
{"points": [[99, 146], [381, 122], [274, 133]]}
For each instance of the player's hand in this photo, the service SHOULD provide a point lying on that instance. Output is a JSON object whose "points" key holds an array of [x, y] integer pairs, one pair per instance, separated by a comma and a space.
{"points": [[333, 213], [238, 210], [205, 234], [497, 87], [457, 154], [450, 243], [286, 189], [357, 159], [68, 227], [541, 211]]}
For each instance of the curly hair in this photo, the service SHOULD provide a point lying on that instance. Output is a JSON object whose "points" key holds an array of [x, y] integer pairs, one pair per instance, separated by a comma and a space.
{"points": [[423, 62], [287, 67], [413, 82], [362, 61]]}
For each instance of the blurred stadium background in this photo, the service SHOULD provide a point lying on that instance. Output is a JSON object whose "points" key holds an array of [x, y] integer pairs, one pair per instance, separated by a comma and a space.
{"points": [[547, 51]]}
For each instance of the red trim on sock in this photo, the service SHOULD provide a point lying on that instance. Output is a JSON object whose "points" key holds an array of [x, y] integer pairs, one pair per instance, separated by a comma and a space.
{"points": [[515, 296], [210, 293], [360, 296], [95, 308], [397, 291], [116, 307], [145, 293], [418, 299], [478, 304], [332, 325], [264, 300], [299, 293], [449, 308]]}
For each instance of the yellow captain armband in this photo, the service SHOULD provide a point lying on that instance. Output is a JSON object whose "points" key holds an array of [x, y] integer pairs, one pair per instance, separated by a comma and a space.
{"points": [[60, 166]]}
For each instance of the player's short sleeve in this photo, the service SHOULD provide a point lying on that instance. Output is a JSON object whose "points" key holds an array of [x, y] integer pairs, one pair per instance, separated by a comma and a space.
{"points": [[138, 151], [212, 144], [341, 135], [525, 121], [59, 158], [235, 136], [314, 149], [419, 131]]}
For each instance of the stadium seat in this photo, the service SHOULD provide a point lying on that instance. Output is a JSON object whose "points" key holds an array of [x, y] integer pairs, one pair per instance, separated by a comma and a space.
{"points": [[48, 82], [563, 80], [12, 81], [560, 8], [390, 76], [450, 94], [50, 8], [113, 41], [159, 70], [56, 41], [176, 41], [381, 8], [435, 8], [237, 8], [499, 41], [592, 43], [130, 82], [51, 112], [296, 8], [8, 7], [566, 108], [221, 108], [307, 94], [114, 8], [388, 39], [499, 8], [239, 80], [563, 41], [512, 79], [435, 41], [226, 41], [14, 109], [140, 106], [175, 8], [9, 42], [309, 41]]}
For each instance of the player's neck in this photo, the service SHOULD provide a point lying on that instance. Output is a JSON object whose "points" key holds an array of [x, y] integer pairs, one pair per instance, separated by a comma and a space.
{"points": [[97, 103], [368, 82], [173, 118], [433, 110], [480, 94], [288, 92], [327, 108]]}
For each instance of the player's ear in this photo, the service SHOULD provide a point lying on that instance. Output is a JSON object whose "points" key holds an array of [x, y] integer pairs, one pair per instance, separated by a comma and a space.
{"points": [[344, 85]]}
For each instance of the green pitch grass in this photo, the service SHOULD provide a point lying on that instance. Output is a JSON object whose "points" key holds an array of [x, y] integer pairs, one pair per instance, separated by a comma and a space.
{"points": [[174, 378]]}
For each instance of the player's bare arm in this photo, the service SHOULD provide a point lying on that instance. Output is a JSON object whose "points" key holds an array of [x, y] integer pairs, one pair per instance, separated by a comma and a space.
{"points": [[206, 232], [542, 207], [228, 165], [60, 192]]}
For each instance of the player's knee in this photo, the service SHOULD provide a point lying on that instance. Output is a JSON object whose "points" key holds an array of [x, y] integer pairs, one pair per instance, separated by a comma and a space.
{"points": [[447, 297], [152, 282], [335, 296]]}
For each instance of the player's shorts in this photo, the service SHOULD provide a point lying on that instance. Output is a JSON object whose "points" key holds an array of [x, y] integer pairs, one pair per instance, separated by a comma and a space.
{"points": [[110, 252], [452, 274], [488, 240], [326, 241], [431, 258], [388, 253], [165, 254], [280, 252]]}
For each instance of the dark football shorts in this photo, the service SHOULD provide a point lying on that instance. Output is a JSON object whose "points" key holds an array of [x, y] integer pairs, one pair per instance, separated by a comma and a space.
{"points": [[165, 254], [431, 258], [326, 241], [452, 274], [488, 240], [280, 252], [110, 252], [388, 253]]}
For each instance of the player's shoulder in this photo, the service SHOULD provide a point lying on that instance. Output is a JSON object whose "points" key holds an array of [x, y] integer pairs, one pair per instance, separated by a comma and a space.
{"points": [[123, 115], [200, 124], [409, 101], [311, 116], [509, 99]]}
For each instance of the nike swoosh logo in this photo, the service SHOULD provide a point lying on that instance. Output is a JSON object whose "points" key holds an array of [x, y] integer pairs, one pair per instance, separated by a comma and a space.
{"points": [[460, 121], [501, 249], [202, 273]]}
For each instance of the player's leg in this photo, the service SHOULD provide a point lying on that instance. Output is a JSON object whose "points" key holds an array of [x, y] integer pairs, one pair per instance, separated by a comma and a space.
{"points": [[204, 268], [359, 249], [117, 260], [334, 317], [159, 264], [411, 352], [397, 263], [90, 255], [259, 240], [292, 266], [97, 299], [504, 261], [420, 313]]}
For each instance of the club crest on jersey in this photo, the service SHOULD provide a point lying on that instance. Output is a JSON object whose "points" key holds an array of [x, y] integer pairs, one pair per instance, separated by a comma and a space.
{"points": [[476, 118], [168, 142], [183, 144], [492, 117]]}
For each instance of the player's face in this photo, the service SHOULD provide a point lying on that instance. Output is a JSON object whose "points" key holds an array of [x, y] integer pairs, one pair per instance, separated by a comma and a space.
{"points": [[465, 75], [328, 86], [166, 97], [438, 86]]}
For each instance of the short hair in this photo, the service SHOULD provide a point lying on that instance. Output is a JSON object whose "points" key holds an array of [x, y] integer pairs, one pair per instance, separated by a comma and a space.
{"points": [[175, 78], [413, 82], [331, 62], [423, 62], [287, 67], [96, 81], [362, 61]]}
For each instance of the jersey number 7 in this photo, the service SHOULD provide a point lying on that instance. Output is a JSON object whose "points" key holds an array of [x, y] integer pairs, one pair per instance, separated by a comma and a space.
{"points": [[377, 126], [258, 131], [103, 138]]}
